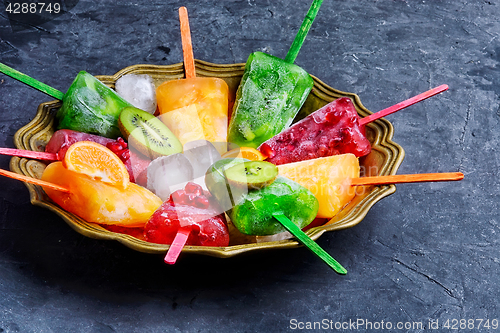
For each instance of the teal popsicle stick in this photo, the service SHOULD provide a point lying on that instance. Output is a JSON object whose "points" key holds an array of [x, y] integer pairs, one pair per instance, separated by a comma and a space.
{"points": [[31, 81], [302, 33], [309, 243]]}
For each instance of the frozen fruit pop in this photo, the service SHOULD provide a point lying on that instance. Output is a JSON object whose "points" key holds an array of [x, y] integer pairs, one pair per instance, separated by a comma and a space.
{"points": [[271, 92], [61, 140], [88, 105], [191, 212], [332, 130], [332, 179], [98, 202], [270, 95], [265, 204], [328, 178], [99, 187], [194, 108], [92, 107], [252, 210]]}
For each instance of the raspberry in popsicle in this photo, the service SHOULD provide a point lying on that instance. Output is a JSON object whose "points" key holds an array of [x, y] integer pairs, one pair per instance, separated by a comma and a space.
{"points": [[332, 130], [191, 210]]}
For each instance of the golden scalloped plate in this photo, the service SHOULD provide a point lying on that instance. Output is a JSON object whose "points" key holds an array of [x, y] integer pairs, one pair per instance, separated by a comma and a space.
{"points": [[385, 159]]}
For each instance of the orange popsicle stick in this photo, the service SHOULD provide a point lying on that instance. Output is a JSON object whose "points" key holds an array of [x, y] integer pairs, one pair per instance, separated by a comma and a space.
{"points": [[403, 104], [416, 178], [187, 47], [31, 180]]}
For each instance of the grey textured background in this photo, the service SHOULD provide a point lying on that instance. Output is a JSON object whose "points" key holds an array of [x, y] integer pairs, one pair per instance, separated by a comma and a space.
{"points": [[428, 252]]}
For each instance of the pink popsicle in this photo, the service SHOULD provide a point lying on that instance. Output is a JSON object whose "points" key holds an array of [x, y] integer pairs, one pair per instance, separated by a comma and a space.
{"points": [[332, 130]]}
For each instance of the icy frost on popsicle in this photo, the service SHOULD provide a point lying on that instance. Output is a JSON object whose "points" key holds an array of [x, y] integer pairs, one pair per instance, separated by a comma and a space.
{"points": [[332, 130], [270, 95], [251, 210], [90, 106]]}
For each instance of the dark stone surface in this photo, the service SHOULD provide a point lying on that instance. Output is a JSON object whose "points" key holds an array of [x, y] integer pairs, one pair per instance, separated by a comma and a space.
{"points": [[428, 252]]}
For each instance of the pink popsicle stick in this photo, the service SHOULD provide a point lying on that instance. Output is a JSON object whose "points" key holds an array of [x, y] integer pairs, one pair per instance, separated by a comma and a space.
{"points": [[38, 155], [403, 104], [177, 245]]}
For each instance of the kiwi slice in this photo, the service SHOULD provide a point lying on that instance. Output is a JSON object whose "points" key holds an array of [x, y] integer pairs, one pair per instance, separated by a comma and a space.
{"points": [[253, 174], [147, 134]]}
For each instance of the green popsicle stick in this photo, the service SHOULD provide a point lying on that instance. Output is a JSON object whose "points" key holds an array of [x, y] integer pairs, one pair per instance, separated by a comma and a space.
{"points": [[304, 29], [309, 243], [31, 82]]}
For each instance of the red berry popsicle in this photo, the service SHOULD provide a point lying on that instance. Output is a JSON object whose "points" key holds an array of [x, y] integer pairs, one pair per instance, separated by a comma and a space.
{"points": [[189, 214], [332, 130], [61, 140]]}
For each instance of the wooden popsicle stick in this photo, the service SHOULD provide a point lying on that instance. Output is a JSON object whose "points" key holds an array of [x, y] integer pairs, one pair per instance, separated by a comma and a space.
{"points": [[416, 178], [187, 47], [31, 81], [303, 30], [31, 180], [177, 245], [309, 243], [38, 155], [403, 104]]}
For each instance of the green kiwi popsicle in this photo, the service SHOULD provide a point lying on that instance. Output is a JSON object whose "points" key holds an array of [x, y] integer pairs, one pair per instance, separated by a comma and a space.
{"points": [[251, 210]]}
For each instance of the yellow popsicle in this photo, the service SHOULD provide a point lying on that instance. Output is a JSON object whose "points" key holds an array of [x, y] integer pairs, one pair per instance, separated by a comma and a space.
{"points": [[98, 202], [194, 108], [328, 178]]}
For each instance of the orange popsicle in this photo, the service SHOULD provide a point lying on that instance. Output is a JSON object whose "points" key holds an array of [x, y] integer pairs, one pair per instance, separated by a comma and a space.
{"points": [[98, 202], [328, 178], [194, 108]]}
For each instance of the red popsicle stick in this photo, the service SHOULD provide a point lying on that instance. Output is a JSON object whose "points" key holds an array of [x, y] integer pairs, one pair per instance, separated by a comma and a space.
{"points": [[35, 181], [177, 245], [187, 47], [38, 155], [403, 104], [416, 178]]}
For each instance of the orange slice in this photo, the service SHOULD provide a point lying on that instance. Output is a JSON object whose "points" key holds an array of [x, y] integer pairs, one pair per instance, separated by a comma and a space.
{"points": [[97, 162], [251, 154]]}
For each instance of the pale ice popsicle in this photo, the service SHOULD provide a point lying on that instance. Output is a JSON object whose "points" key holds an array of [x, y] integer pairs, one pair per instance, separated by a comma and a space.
{"points": [[328, 178], [98, 202], [269, 97], [332, 130], [194, 108]]}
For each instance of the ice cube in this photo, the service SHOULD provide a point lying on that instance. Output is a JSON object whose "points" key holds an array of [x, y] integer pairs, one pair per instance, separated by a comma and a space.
{"points": [[167, 174], [202, 154], [138, 90]]}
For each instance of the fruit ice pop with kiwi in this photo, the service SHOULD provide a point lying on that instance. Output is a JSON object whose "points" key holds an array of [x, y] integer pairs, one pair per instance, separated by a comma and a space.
{"points": [[194, 211], [194, 108], [253, 206], [333, 129], [271, 92]]}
